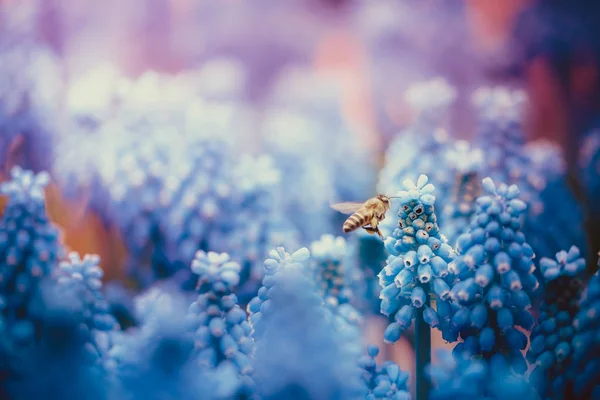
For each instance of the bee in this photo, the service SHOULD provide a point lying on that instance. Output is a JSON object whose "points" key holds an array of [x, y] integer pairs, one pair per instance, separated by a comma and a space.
{"points": [[365, 215]]}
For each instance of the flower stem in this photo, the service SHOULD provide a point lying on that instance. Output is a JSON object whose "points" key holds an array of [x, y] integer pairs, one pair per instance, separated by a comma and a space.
{"points": [[423, 353]]}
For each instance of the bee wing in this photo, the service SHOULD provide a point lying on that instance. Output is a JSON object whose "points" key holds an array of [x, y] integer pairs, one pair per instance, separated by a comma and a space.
{"points": [[348, 207]]}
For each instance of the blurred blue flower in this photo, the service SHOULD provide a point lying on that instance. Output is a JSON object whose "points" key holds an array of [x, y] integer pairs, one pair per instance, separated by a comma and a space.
{"points": [[386, 381], [84, 277], [30, 83], [455, 377], [495, 268], [292, 362], [550, 226], [316, 150], [57, 364], [464, 162], [156, 361], [422, 147], [417, 267], [586, 342], [221, 333], [537, 168], [338, 282], [589, 164], [121, 303], [333, 270], [551, 348], [29, 249]]}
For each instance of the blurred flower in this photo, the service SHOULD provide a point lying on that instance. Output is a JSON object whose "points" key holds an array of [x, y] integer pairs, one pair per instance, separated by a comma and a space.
{"points": [[494, 268], [537, 168], [549, 225], [338, 282], [417, 267], [421, 149], [221, 333], [386, 381], [42, 345], [84, 277], [156, 361], [320, 156], [551, 346], [589, 165], [478, 379], [30, 83], [29, 249], [333, 273], [57, 363], [292, 361], [586, 342], [464, 162]]}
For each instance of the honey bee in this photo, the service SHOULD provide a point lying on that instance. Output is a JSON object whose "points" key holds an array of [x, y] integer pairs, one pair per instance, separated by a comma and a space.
{"points": [[365, 215]]}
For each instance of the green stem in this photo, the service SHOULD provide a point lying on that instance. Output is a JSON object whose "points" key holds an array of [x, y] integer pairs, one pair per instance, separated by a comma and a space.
{"points": [[422, 353]]}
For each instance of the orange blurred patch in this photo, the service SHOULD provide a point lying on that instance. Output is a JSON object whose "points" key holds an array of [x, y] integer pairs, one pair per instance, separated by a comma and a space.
{"points": [[85, 233]]}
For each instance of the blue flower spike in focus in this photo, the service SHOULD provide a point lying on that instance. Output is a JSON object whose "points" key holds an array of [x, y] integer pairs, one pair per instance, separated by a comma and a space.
{"points": [[84, 276], [384, 382], [417, 267], [551, 348], [494, 267], [29, 248], [222, 334]]}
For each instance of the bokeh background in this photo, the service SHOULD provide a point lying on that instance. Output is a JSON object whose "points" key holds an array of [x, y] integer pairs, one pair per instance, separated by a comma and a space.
{"points": [[111, 97]]}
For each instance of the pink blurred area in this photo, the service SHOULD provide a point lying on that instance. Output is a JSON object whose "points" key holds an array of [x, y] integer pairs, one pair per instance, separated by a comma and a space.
{"points": [[371, 49]]}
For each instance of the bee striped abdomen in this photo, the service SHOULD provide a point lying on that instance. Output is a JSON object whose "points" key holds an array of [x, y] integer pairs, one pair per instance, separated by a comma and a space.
{"points": [[355, 221]]}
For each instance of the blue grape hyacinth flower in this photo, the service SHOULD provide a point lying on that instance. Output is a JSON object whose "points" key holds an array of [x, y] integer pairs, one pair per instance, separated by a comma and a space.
{"points": [[551, 340], [384, 382], [585, 362], [417, 267], [537, 168], [157, 359], [457, 377], [328, 255], [495, 284], [291, 361], [465, 163], [221, 332], [84, 277], [29, 249], [59, 363]]}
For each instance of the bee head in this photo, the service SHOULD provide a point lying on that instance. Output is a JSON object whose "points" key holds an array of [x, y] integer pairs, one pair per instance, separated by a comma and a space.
{"points": [[384, 199]]}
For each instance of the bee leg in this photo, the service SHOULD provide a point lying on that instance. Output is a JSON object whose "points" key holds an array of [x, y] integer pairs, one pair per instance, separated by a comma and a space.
{"points": [[369, 230], [374, 223]]}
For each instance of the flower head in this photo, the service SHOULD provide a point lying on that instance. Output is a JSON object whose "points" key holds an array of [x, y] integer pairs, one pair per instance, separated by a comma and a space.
{"points": [[84, 277], [29, 247], [418, 261], [551, 346], [221, 332], [25, 186], [586, 342], [385, 381], [320, 362], [495, 278]]}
